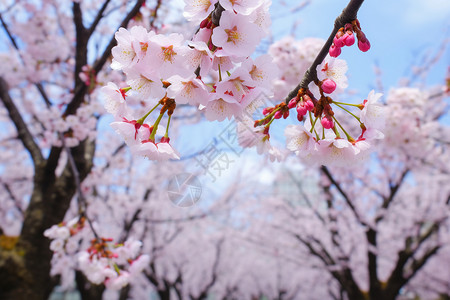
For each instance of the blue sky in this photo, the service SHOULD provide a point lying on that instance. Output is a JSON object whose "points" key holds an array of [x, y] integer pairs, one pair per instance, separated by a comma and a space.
{"points": [[401, 32]]}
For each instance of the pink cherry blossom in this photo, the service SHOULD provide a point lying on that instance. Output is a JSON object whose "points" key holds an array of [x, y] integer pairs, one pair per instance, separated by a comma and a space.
{"points": [[187, 90], [197, 10], [152, 151], [300, 140], [373, 114], [200, 56], [335, 70], [219, 109], [243, 7], [115, 103], [235, 35]]}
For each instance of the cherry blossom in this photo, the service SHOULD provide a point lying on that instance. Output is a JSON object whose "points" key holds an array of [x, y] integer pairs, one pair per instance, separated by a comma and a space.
{"points": [[187, 90], [335, 70], [373, 114], [197, 10], [235, 35]]}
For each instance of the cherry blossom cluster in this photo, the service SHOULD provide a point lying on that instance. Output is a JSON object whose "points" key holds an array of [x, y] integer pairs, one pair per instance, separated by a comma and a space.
{"points": [[102, 262], [212, 71], [411, 128], [322, 138], [75, 128], [346, 37], [327, 142]]}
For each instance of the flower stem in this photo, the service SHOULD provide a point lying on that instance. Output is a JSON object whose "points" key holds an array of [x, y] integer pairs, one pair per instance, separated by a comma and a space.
{"points": [[155, 127], [342, 103], [141, 120], [220, 73], [357, 118], [167, 128], [349, 138]]}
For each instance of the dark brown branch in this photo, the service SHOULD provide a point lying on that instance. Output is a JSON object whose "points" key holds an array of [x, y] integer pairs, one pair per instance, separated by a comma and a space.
{"points": [[419, 263], [81, 43], [23, 132], [374, 282], [397, 277], [343, 194], [82, 203], [98, 18], [155, 14], [348, 14], [204, 292], [393, 191], [343, 276], [81, 90]]}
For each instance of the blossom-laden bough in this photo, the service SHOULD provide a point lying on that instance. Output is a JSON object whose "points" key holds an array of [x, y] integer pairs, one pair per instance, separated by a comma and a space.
{"points": [[214, 71]]}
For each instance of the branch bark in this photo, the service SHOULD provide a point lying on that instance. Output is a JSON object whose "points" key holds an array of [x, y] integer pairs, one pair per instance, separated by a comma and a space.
{"points": [[348, 14], [23, 132]]}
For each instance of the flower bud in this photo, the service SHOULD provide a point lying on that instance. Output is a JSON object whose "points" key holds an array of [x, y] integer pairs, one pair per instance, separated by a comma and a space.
{"points": [[339, 42], [364, 46], [328, 86], [327, 122], [267, 110], [349, 38], [301, 109], [309, 105], [204, 23], [334, 51], [293, 102], [278, 115]]}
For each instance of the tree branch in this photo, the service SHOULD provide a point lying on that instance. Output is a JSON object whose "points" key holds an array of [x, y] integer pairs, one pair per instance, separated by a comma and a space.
{"points": [[98, 18], [81, 90], [348, 14], [344, 194], [23, 132]]}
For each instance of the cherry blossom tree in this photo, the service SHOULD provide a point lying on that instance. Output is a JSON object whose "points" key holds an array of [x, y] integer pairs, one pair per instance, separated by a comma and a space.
{"points": [[381, 229], [83, 207]]}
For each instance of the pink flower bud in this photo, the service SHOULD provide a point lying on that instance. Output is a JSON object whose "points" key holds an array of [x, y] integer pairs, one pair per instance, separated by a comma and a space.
{"points": [[204, 23], [349, 38], [309, 105], [300, 118], [335, 51], [339, 42], [293, 102], [267, 110], [327, 122], [278, 115], [301, 109], [286, 114], [328, 86], [364, 46]]}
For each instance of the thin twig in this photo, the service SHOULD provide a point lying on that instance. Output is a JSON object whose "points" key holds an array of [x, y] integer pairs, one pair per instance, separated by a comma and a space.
{"points": [[348, 14]]}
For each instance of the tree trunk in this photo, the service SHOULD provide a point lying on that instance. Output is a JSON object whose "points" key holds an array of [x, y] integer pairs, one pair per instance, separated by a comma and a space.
{"points": [[25, 267]]}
